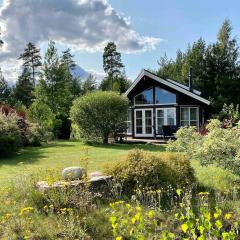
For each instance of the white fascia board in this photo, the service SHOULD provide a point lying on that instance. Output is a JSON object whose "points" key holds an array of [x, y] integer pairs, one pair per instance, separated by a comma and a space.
{"points": [[140, 76]]}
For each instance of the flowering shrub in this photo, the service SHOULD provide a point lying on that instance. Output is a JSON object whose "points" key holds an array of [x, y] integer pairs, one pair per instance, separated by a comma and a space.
{"points": [[10, 138], [220, 146], [205, 223], [133, 222], [229, 115]]}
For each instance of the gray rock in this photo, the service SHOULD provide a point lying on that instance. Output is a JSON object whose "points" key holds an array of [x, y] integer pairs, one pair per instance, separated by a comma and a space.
{"points": [[100, 183], [62, 184], [96, 181], [73, 173], [100, 179], [95, 174], [43, 186]]}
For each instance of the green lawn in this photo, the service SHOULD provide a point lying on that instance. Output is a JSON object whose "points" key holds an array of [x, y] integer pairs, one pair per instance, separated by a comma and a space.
{"points": [[61, 154]]}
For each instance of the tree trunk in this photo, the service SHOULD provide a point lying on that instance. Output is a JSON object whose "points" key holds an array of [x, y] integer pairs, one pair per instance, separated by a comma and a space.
{"points": [[105, 139]]}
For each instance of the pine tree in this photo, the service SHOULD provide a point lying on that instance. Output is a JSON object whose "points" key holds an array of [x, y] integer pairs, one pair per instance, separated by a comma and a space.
{"points": [[224, 67], [75, 82], [166, 67], [89, 84], [54, 86], [23, 91], [112, 63], [31, 59], [195, 59], [216, 67], [5, 91], [67, 58]]}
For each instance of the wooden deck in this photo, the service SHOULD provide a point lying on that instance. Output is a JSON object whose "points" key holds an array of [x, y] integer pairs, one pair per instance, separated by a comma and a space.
{"points": [[145, 141]]}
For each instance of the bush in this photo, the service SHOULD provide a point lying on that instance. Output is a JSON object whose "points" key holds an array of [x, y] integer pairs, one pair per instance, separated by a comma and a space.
{"points": [[100, 114], [10, 137], [144, 169], [229, 115], [220, 146], [43, 118]]}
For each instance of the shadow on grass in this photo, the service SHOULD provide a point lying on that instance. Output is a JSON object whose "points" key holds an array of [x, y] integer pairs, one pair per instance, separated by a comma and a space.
{"points": [[30, 155], [127, 146]]}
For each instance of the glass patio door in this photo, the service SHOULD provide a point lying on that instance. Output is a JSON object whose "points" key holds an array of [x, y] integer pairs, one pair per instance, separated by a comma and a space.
{"points": [[165, 116], [144, 122]]}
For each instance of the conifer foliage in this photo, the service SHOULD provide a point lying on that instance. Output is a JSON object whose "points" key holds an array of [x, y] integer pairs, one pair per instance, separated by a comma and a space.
{"points": [[216, 67], [31, 59]]}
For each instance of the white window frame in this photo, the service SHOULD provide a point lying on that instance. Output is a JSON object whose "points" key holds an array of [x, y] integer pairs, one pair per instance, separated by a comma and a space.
{"points": [[165, 117], [143, 134], [189, 120], [129, 121]]}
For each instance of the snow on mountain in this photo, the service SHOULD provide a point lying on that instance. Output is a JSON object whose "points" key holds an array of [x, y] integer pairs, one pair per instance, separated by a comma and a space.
{"points": [[81, 73]]}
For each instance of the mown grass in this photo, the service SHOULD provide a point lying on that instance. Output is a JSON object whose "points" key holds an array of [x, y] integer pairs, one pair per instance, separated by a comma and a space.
{"points": [[21, 192], [60, 154]]}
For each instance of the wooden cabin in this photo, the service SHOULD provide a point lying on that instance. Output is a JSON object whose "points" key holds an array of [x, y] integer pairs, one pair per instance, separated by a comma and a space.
{"points": [[158, 107]]}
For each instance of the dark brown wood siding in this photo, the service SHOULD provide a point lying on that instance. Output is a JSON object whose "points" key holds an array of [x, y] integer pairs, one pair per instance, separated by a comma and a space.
{"points": [[181, 100]]}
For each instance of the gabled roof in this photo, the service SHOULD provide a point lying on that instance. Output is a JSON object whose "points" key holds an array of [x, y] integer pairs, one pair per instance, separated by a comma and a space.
{"points": [[170, 83]]}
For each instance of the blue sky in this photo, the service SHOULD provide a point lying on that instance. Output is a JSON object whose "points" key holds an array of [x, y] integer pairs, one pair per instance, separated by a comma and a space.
{"points": [[166, 24], [178, 22]]}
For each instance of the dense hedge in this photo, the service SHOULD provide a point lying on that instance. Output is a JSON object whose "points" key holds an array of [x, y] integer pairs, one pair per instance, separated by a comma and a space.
{"points": [[155, 170]]}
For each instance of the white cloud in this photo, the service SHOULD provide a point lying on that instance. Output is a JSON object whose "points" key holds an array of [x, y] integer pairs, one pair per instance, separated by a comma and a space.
{"points": [[84, 25], [99, 76]]}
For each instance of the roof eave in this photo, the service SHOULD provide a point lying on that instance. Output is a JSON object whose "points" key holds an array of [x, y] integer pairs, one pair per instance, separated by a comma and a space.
{"points": [[167, 83]]}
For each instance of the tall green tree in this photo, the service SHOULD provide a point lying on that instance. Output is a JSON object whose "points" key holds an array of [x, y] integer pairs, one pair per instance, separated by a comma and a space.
{"points": [[195, 58], [23, 91], [89, 84], [216, 68], [225, 53], [5, 90], [166, 67], [54, 88], [31, 59], [67, 58], [112, 65]]}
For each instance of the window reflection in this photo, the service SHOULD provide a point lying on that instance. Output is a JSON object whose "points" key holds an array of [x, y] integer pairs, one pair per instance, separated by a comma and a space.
{"points": [[145, 97], [164, 96]]}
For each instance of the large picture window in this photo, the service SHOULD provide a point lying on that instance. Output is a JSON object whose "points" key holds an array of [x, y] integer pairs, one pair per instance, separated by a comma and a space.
{"points": [[164, 96], [145, 97], [189, 116]]}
